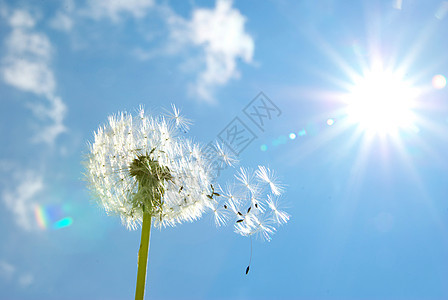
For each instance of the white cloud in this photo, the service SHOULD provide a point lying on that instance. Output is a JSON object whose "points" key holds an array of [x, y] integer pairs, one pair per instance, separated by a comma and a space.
{"points": [[23, 42], [55, 112], [113, 9], [26, 66], [62, 22], [63, 19], [21, 18], [35, 77], [143, 55], [20, 200], [220, 32], [26, 279], [9, 272], [6, 270]]}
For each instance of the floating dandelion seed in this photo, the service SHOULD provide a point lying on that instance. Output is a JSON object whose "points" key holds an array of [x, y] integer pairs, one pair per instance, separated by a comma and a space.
{"points": [[225, 154], [181, 122], [246, 179], [268, 176], [141, 169], [281, 217]]}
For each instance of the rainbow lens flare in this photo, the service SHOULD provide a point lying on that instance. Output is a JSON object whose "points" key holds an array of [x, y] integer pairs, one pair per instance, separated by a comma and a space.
{"points": [[65, 222], [51, 217]]}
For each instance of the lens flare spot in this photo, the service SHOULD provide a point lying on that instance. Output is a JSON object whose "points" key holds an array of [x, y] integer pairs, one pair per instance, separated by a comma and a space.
{"points": [[41, 217], [51, 216], [264, 147], [65, 222], [330, 122], [302, 132], [292, 136], [439, 82], [279, 141]]}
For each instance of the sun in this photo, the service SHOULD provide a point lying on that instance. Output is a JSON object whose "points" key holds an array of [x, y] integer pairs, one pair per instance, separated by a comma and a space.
{"points": [[381, 102]]}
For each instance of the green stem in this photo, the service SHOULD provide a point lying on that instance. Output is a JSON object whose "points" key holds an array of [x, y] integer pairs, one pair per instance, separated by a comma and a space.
{"points": [[143, 257]]}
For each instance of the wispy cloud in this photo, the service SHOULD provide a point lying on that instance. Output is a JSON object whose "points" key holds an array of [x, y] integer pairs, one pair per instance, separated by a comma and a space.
{"points": [[9, 272], [26, 66], [115, 9], [62, 21], [20, 199], [221, 35], [442, 11], [26, 279], [20, 18]]}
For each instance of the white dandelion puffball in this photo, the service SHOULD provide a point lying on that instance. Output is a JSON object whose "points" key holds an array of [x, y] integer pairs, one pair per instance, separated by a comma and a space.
{"points": [[140, 164]]}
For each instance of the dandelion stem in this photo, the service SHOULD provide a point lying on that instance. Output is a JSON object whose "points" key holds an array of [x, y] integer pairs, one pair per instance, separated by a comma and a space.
{"points": [[143, 257]]}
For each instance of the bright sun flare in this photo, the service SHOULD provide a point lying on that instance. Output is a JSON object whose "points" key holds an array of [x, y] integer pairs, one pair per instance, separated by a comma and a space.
{"points": [[381, 102]]}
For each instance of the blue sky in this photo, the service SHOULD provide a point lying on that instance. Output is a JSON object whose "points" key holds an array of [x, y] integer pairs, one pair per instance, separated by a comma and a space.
{"points": [[368, 200]]}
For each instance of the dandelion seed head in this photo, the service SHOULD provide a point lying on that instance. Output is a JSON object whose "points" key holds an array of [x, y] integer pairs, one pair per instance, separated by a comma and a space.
{"points": [[139, 163]]}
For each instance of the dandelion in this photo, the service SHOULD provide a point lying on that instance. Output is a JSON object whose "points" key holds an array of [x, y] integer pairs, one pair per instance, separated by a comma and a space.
{"points": [[269, 177], [142, 169], [180, 121], [139, 165]]}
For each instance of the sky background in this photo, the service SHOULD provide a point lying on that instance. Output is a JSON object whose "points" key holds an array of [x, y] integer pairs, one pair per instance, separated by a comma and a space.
{"points": [[369, 210]]}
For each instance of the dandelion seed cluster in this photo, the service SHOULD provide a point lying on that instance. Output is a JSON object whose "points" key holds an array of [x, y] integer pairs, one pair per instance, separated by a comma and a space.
{"points": [[252, 203], [142, 164]]}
